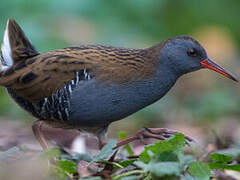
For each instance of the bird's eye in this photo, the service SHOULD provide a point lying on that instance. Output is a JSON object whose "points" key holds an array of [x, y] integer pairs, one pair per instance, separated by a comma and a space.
{"points": [[192, 52]]}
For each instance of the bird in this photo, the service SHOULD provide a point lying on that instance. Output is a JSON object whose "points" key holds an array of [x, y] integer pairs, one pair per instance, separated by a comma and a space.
{"points": [[88, 87]]}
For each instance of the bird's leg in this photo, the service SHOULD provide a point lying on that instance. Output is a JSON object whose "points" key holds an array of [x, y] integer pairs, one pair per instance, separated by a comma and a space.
{"points": [[155, 133], [102, 141], [102, 138], [37, 130]]}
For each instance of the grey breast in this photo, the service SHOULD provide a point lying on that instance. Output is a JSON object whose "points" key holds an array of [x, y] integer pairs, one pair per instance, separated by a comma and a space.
{"points": [[96, 105]]}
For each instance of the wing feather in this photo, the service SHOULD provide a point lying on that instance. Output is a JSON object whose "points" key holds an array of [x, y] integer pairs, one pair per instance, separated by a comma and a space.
{"points": [[44, 74]]}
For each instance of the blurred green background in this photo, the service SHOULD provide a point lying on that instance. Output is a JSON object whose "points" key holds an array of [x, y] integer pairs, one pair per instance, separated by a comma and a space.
{"points": [[201, 99]]}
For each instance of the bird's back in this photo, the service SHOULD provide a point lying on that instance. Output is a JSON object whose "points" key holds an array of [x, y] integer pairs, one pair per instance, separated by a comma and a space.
{"points": [[39, 76]]}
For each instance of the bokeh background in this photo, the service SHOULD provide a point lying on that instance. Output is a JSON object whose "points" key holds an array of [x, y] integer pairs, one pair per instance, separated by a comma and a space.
{"points": [[202, 104]]}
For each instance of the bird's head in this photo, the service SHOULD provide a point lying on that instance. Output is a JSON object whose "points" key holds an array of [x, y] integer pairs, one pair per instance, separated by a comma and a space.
{"points": [[186, 55]]}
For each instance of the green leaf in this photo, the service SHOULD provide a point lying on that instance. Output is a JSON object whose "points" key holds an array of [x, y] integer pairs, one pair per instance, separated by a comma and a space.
{"points": [[106, 151], [217, 165], [222, 162], [234, 167], [185, 160], [166, 156], [142, 165], [221, 158], [200, 170], [161, 169], [128, 148], [68, 166], [178, 141], [176, 144], [127, 162], [82, 156], [64, 169], [165, 169], [156, 148]]}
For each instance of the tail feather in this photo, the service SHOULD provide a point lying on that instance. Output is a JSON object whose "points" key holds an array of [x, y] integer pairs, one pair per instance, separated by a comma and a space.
{"points": [[6, 58], [16, 47]]}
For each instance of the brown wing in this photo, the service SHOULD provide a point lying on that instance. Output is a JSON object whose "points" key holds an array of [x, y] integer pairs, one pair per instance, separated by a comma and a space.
{"points": [[40, 76]]}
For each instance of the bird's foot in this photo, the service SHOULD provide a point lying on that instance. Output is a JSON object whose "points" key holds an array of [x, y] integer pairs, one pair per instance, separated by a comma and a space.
{"points": [[154, 133]]}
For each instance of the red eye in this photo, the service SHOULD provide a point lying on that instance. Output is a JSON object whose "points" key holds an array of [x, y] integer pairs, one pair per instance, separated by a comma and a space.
{"points": [[192, 52]]}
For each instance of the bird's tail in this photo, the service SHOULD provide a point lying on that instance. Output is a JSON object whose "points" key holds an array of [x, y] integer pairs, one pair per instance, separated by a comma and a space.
{"points": [[15, 48]]}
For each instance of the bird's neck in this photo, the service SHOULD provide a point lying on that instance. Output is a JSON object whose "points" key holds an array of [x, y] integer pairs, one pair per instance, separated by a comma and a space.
{"points": [[150, 90], [164, 80]]}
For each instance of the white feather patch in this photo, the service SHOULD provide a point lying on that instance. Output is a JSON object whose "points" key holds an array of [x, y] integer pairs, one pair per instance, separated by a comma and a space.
{"points": [[79, 145], [6, 50], [2, 67]]}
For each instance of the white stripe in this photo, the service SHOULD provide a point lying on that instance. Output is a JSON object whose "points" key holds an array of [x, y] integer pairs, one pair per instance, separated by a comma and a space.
{"points": [[60, 115], [85, 73], [6, 49], [77, 77], [70, 88], [66, 111], [2, 67], [45, 101]]}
